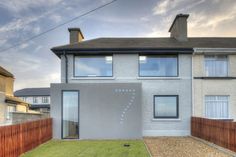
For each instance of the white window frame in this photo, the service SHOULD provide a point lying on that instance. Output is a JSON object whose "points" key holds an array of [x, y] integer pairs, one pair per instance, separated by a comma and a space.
{"points": [[35, 100], [217, 100], [10, 109], [45, 98], [215, 56]]}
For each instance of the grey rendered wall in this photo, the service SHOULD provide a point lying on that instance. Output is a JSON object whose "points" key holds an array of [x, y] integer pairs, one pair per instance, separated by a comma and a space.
{"points": [[125, 69], [107, 110]]}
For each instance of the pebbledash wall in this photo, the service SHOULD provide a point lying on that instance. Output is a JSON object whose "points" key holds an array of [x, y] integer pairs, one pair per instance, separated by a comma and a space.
{"points": [[203, 87], [125, 70]]}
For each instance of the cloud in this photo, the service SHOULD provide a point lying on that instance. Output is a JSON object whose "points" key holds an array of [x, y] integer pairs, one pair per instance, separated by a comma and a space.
{"points": [[56, 18], [207, 17], [29, 70], [163, 6], [23, 5]]}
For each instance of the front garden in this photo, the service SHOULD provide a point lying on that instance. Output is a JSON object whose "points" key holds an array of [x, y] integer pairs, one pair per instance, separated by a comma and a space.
{"points": [[103, 148]]}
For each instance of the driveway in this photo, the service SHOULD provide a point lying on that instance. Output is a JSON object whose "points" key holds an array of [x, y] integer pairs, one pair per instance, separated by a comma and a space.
{"points": [[181, 147]]}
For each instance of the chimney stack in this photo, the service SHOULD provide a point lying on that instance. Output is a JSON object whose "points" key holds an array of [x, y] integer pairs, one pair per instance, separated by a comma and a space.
{"points": [[179, 28], [76, 35]]}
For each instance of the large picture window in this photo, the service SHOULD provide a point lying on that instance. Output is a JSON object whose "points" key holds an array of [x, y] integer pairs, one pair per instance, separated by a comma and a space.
{"points": [[93, 66], [158, 66], [216, 66], [166, 106], [217, 106], [70, 114]]}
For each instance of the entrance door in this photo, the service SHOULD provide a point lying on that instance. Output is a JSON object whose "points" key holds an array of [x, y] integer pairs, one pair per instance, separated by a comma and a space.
{"points": [[70, 114]]}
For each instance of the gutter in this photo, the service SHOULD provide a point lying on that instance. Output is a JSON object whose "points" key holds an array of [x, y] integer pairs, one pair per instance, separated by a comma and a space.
{"points": [[214, 50], [66, 66]]}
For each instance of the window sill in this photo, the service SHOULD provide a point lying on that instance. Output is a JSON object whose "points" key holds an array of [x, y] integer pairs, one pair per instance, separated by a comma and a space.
{"points": [[92, 78], [166, 120], [158, 78]]}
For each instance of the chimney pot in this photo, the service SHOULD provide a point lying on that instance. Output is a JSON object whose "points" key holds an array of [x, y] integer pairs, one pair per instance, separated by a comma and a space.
{"points": [[179, 28], [76, 35]]}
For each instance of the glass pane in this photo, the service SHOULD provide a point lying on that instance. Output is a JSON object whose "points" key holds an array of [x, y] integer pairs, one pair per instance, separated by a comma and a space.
{"points": [[216, 66], [158, 66], [166, 106], [216, 106], [70, 114], [93, 66]]}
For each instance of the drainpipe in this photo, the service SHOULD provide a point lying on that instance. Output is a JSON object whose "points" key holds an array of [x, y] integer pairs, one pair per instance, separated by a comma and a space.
{"points": [[66, 66], [192, 83]]}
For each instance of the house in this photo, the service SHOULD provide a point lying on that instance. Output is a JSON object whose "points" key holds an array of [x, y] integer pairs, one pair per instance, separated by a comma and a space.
{"points": [[214, 80], [38, 98], [9, 103], [127, 88]]}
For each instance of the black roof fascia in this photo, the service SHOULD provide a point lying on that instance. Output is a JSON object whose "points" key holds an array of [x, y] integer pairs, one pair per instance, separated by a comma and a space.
{"points": [[102, 51]]}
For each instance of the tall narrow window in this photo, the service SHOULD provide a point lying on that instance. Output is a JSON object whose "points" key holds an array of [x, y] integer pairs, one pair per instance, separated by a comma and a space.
{"points": [[217, 106], [10, 109], [166, 106], [216, 66], [70, 114], [158, 66], [93, 66]]}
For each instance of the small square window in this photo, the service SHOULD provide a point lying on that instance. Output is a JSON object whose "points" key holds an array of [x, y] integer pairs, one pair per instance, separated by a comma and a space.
{"points": [[166, 106]]}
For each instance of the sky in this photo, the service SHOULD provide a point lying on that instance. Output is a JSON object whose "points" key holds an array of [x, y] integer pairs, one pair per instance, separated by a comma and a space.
{"points": [[34, 65]]}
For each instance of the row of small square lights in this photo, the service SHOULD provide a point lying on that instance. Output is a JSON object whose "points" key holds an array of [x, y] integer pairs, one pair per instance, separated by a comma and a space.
{"points": [[129, 104]]}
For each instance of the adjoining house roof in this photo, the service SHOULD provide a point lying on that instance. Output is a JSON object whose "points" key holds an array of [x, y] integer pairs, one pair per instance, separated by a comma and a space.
{"points": [[6, 73], [33, 92], [137, 45]]}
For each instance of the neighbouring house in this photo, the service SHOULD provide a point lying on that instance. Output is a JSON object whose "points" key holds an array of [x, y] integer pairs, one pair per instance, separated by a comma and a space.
{"points": [[214, 80], [115, 88], [38, 98], [9, 103]]}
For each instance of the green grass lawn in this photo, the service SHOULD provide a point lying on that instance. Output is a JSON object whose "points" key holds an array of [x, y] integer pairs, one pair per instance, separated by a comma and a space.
{"points": [[106, 148]]}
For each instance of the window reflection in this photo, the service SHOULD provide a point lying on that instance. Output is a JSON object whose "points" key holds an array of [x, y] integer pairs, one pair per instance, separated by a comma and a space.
{"points": [[94, 66], [70, 114], [159, 66], [166, 107]]}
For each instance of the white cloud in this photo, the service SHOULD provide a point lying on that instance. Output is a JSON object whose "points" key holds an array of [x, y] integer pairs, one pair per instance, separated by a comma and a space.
{"points": [[163, 6], [24, 45], [56, 18], [20, 5], [207, 18]]}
